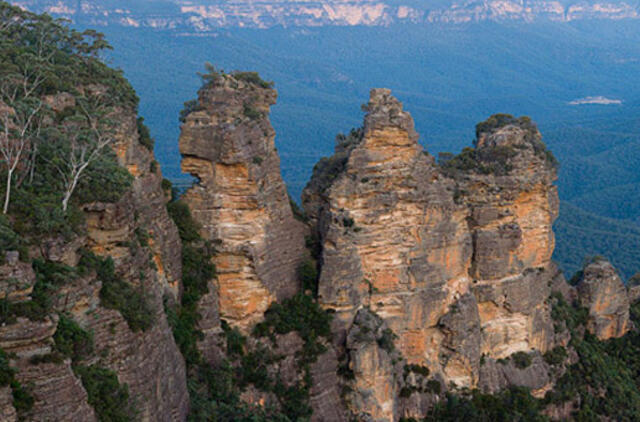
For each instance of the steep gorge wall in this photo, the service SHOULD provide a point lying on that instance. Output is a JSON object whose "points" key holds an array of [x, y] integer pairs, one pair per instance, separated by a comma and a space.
{"points": [[148, 361]]}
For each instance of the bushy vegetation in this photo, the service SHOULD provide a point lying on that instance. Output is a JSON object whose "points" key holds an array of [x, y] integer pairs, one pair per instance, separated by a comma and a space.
{"points": [[556, 356], [22, 400], [514, 404], [606, 377], [494, 159], [118, 294], [50, 276], [144, 134], [252, 78], [107, 396], [71, 340], [327, 169], [486, 160], [521, 360], [308, 276], [214, 390], [57, 156], [187, 227]]}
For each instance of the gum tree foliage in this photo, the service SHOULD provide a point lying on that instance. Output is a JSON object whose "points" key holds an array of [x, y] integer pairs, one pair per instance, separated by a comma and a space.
{"points": [[40, 57], [82, 139]]}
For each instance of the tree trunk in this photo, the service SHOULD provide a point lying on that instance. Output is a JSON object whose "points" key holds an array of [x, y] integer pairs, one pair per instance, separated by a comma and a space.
{"points": [[65, 201], [72, 187], [7, 194]]}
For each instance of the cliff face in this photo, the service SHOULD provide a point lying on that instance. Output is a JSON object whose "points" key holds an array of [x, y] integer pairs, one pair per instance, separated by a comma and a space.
{"points": [[148, 360], [240, 199], [455, 259]]}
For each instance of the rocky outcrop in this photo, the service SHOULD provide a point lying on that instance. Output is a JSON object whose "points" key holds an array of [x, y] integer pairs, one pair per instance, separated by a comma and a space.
{"points": [[455, 258], [325, 394], [240, 199], [16, 278], [633, 289], [373, 385], [512, 201], [498, 375], [603, 293]]}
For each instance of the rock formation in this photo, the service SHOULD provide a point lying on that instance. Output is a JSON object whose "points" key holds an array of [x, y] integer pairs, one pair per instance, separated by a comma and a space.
{"points": [[455, 259], [240, 199], [437, 275], [603, 293]]}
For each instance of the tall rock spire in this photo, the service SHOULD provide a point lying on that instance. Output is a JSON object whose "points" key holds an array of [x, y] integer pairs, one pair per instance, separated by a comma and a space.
{"points": [[240, 200]]}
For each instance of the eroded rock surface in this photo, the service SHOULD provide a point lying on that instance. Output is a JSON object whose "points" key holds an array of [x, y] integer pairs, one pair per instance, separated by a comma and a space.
{"points": [[240, 200], [454, 258]]}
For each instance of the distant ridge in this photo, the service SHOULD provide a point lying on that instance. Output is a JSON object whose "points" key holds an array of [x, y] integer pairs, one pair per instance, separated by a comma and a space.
{"points": [[207, 15]]}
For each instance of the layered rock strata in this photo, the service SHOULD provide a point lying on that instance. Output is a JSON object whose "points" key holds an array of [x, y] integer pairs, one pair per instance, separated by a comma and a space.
{"points": [[240, 199], [454, 258], [147, 361]]}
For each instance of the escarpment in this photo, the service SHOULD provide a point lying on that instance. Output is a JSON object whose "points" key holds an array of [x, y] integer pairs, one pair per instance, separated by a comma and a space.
{"points": [[100, 289], [240, 200]]}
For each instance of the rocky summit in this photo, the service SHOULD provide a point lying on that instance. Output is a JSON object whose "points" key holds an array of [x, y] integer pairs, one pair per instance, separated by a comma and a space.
{"points": [[406, 288]]}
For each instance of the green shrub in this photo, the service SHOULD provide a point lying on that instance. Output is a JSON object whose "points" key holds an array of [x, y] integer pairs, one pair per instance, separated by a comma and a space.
{"points": [[190, 106], [6, 371], [416, 369], [144, 134], [556, 356], [142, 236], [71, 340], [298, 213], [10, 240], [187, 226], [22, 399], [300, 314], [117, 294], [308, 276], [513, 404], [521, 360], [103, 181], [434, 387], [252, 78], [107, 396], [574, 316], [386, 341], [236, 342], [50, 276], [250, 112], [167, 185]]}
